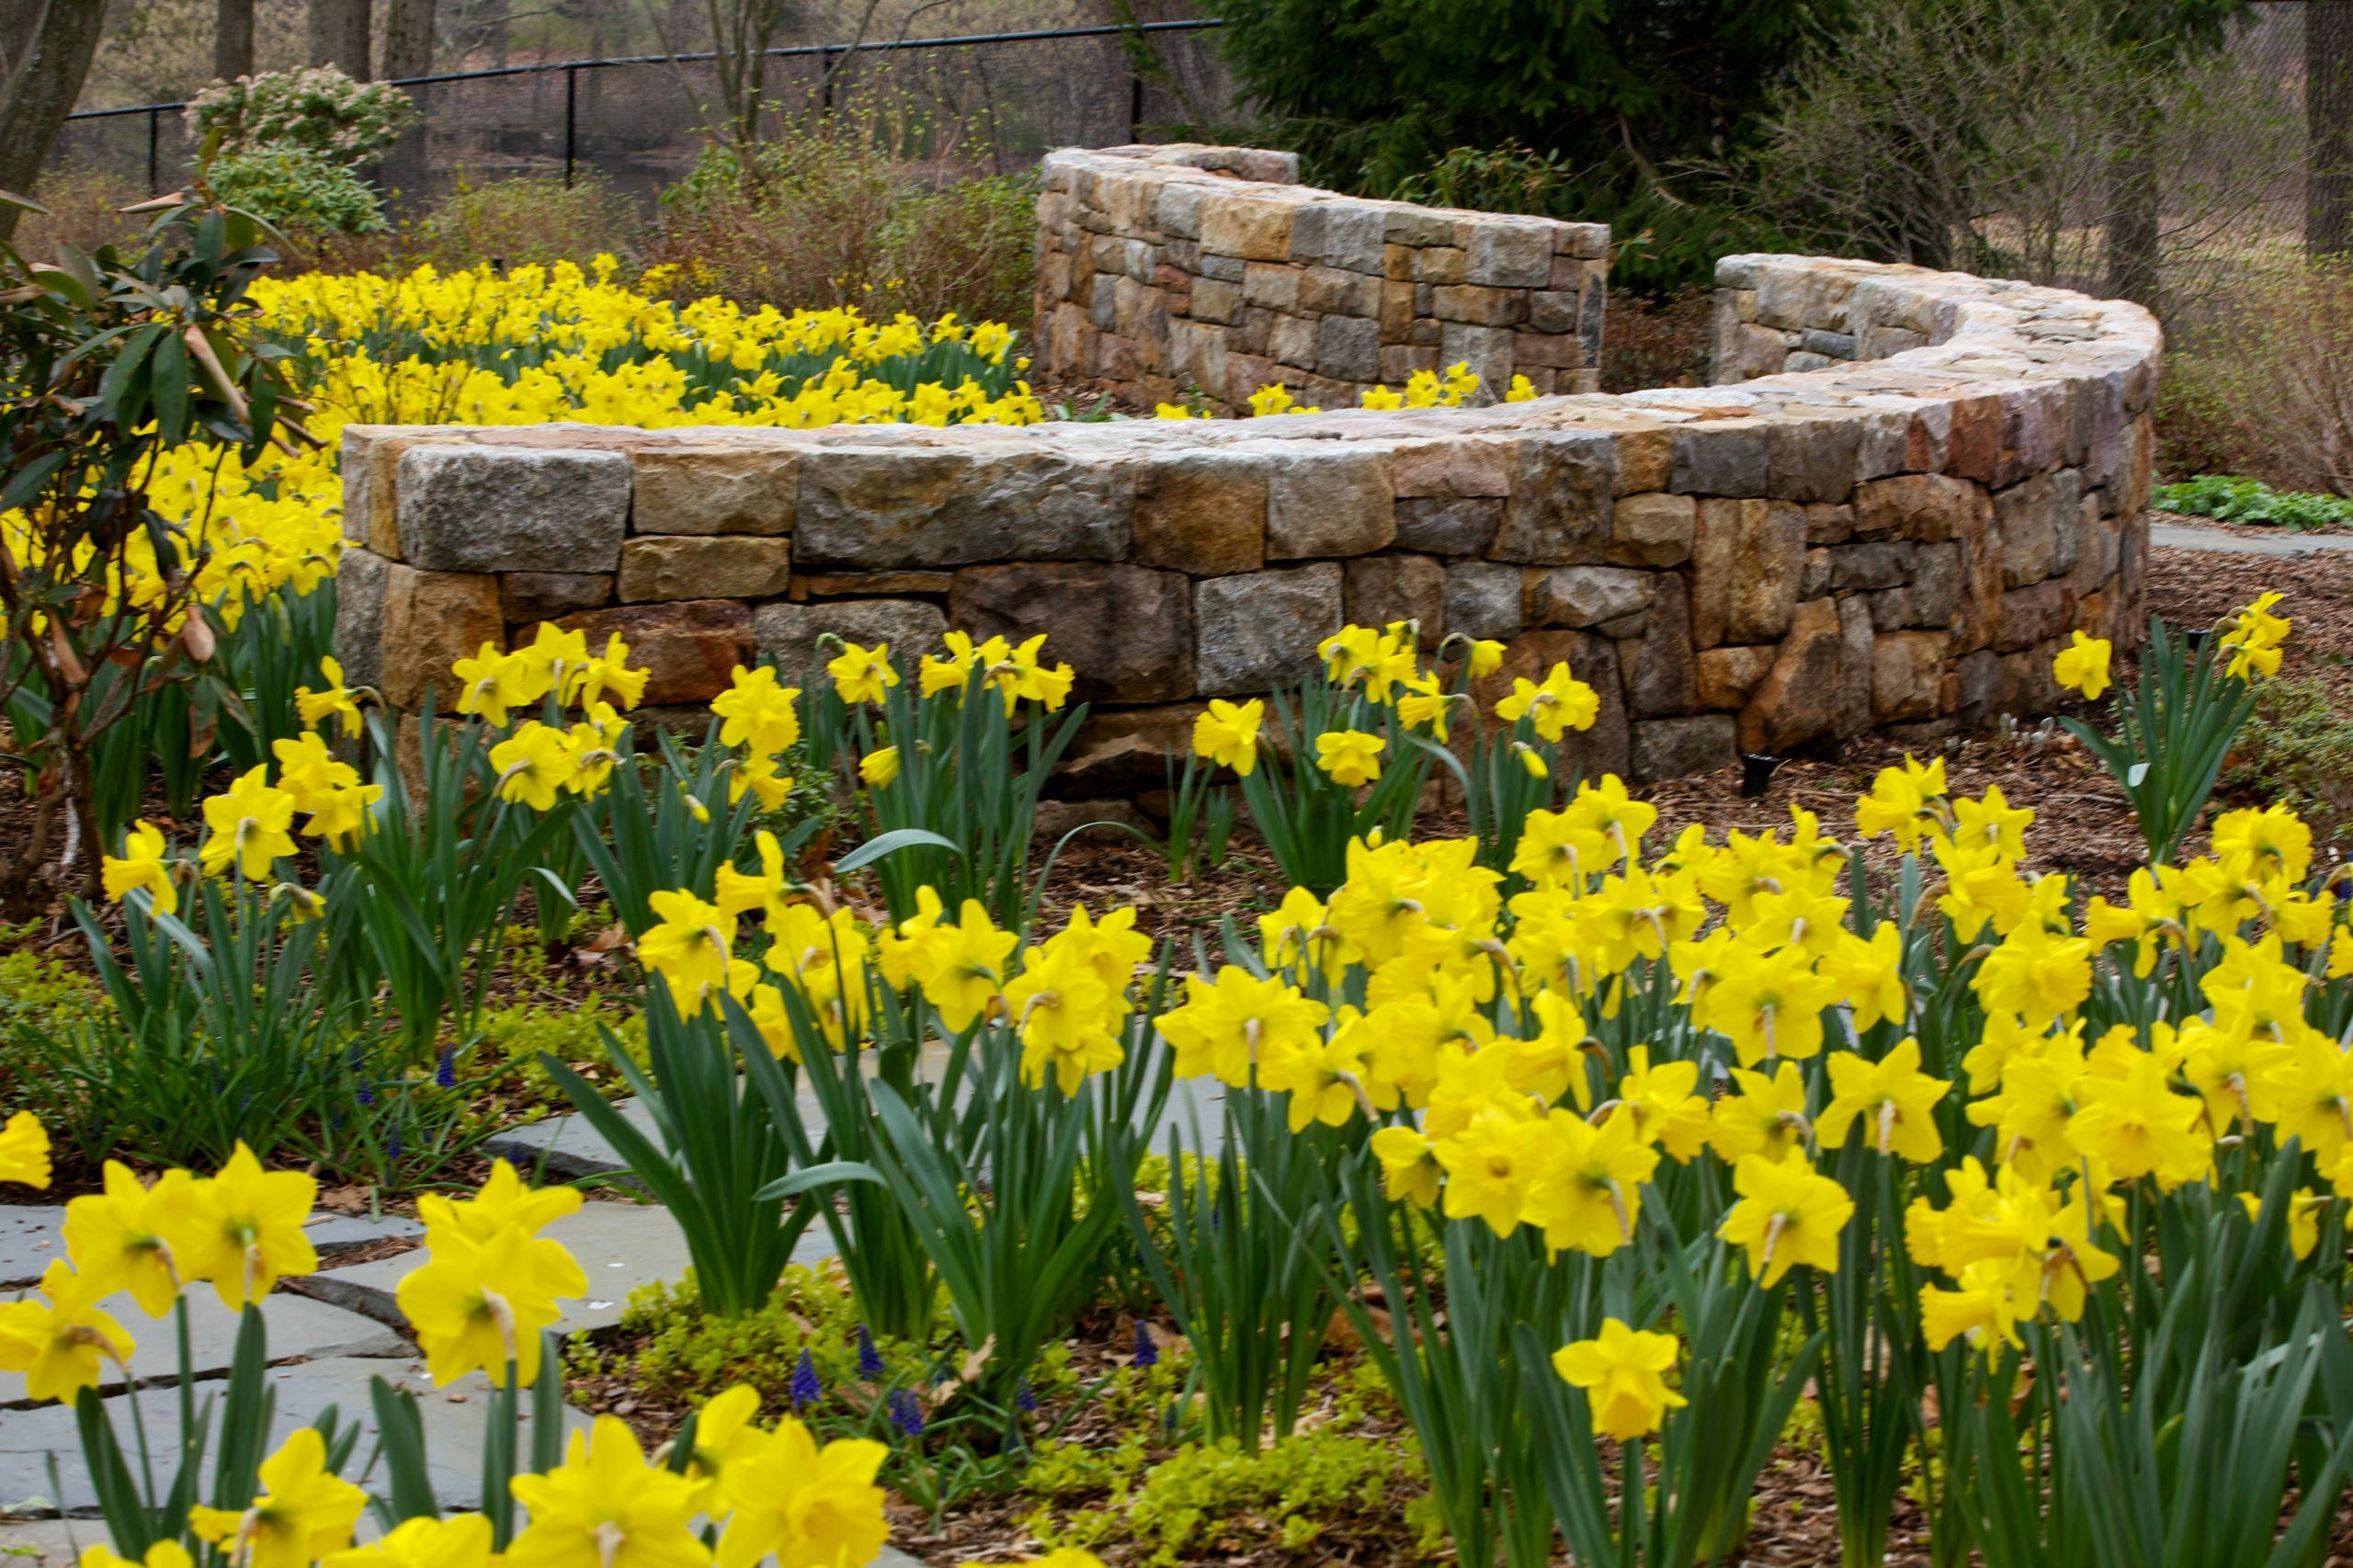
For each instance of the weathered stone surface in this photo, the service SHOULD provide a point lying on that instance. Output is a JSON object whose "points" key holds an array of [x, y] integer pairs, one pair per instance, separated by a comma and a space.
{"points": [[869, 584], [715, 490], [1661, 673], [1485, 599], [2023, 682], [1204, 513], [1798, 700], [2037, 519], [690, 647], [1448, 525], [1727, 676], [1127, 749], [527, 597], [885, 509], [1127, 631], [1813, 459], [681, 566], [1562, 493], [1744, 588], [484, 508], [1671, 748], [1653, 529], [1259, 631], [1856, 638], [1329, 503], [1721, 459], [1378, 590], [430, 619], [361, 578], [1930, 507], [789, 632], [1589, 595], [1907, 670], [2034, 614], [1878, 563]]}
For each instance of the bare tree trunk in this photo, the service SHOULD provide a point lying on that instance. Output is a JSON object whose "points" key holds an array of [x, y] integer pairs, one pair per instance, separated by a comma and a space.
{"points": [[47, 63], [2328, 127], [2134, 216], [232, 38], [408, 39], [339, 36]]}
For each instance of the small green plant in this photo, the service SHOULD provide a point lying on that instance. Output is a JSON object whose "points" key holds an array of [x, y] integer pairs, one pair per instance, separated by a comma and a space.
{"points": [[2235, 500], [1214, 1499], [2297, 751]]}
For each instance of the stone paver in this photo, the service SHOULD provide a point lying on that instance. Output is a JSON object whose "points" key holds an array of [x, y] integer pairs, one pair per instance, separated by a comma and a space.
{"points": [[2184, 536], [28, 1237]]}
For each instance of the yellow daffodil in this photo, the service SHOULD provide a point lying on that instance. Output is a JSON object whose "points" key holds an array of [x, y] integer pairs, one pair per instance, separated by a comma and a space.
{"points": [[305, 1511], [1621, 1371]]}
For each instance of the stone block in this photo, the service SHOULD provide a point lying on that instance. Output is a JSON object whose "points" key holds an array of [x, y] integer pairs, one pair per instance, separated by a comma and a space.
{"points": [[1510, 252], [789, 632], [869, 584], [680, 566], [1749, 561], [1798, 700], [1552, 310], [1328, 503], [1856, 640], [1127, 748], [1441, 264], [1645, 460], [717, 489], [1378, 590], [1485, 599], [1661, 673], [361, 578], [482, 508], [2037, 519], [1216, 301], [527, 597], [429, 620], [1562, 497], [1348, 349], [1270, 286], [1588, 597], [1653, 529], [1930, 507], [897, 508], [2035, 614], [1448, 525], [1907, 674], [1675, 749], [371, 465], [1253, 228], [1722, 458], [1812, 458], [1486, 349], [1329, 292], [1828, 524], [1478, 305], [690, 647], [1126, 630], [1349, 234], [1725, 676], [1876, 563], [1204, 513], [1259, 631]]}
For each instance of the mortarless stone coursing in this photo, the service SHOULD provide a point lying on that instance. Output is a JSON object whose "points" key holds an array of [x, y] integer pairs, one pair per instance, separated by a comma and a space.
{"points": [[1166, 270], [1903, 539]]}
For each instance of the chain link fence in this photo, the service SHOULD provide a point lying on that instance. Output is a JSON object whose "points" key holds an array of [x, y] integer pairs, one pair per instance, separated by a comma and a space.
{"points": [[995, 101]]}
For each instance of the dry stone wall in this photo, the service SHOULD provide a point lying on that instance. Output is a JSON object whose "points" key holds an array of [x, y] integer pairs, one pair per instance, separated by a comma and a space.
{"points": [[1899, 540], [1182, 269]]}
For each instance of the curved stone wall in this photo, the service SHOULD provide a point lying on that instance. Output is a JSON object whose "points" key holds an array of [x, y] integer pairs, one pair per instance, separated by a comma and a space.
{"points": [[1902, 536], [1182, 270]]}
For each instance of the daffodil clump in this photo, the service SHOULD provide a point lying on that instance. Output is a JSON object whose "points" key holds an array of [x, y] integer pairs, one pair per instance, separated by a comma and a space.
{"points": [[487, 1289], [1423, 389], [537, 345]]}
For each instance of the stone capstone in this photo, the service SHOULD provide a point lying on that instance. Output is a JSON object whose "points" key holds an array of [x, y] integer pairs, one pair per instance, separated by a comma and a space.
{"points": [[487, 508]]}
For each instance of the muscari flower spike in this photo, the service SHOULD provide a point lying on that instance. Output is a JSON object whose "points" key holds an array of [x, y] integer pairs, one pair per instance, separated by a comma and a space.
{"points": [[905, 1415], [805, 1388], [869, 1359], [444, 1072], [1147, 1350]]}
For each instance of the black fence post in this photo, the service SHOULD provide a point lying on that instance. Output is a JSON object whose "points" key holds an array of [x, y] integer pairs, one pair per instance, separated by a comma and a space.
{"points": [[1135, 105], [155, 144], [571, 118]]}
